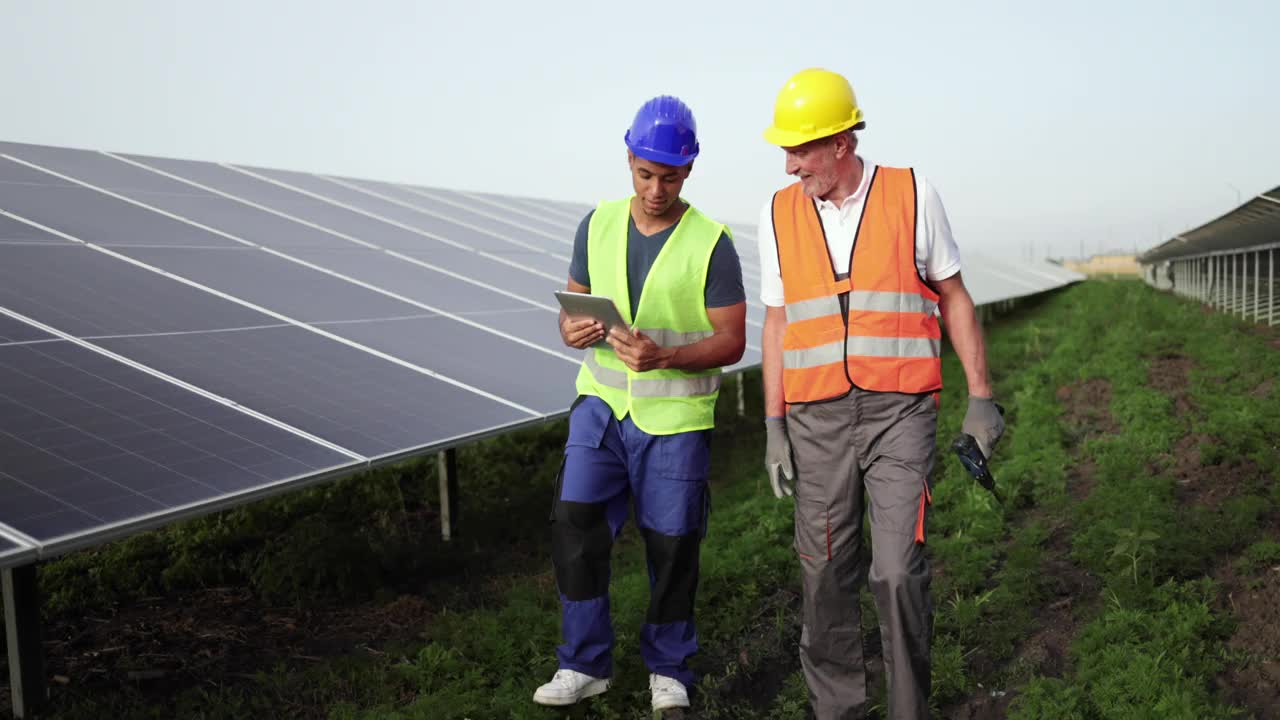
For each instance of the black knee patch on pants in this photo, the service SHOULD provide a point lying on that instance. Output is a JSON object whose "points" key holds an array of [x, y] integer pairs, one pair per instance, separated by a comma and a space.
{"points": [[673, 560], [580, 546]]}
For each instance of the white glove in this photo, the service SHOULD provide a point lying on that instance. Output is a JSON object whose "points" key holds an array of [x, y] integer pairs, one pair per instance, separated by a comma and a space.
{"points": [[777, 457]]}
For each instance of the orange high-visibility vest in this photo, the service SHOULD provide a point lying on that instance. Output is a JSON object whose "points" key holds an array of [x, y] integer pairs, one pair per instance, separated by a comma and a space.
{"points": [[890, 340]]}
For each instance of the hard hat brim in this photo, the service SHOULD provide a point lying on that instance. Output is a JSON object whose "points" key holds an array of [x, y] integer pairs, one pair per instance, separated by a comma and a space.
{"points": [[662, 157], [791, 138]]}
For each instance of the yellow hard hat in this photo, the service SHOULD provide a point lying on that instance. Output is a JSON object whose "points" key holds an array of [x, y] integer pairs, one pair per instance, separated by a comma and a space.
{"points": [[813, 104]]}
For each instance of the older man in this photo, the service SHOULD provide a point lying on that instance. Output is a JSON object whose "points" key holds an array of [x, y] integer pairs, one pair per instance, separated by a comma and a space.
{"points": [[854, 259]]}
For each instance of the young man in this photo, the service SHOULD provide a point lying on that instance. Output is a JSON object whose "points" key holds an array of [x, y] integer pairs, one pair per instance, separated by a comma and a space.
{"points": [[639, 431], [854, 260]]}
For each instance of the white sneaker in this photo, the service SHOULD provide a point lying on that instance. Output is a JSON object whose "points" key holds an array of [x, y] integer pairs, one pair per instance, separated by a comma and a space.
{"points": [[667, 692], [568, 687]]}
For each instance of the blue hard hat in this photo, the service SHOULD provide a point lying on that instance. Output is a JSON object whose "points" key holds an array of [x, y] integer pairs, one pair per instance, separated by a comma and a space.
{"points": [[664, 131]]}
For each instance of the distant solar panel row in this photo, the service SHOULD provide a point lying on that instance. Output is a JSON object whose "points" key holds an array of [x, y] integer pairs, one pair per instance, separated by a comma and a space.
{"points": [[176, 336], [1253, 225]]}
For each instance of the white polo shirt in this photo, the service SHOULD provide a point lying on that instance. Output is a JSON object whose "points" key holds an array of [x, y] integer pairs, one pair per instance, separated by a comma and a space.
{"points": [[937, 257]]}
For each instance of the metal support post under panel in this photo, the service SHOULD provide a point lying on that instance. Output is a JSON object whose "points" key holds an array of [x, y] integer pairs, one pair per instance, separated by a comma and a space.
{"points": [[1222, 281], [23, 630], [1238, 267], [447, 473], [1213, 286], [1241, 279], [1227, 307], [1257, 282], [1271, 285], [1244, 287], [1244, 283], [1213, 279], [742, 394], [1226, 291], [1225, 277], [1231, 308]]}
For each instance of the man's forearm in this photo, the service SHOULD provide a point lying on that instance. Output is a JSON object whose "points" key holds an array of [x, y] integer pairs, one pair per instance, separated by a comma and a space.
{"points": [[719, 350], [775, 326], [960, 318]]}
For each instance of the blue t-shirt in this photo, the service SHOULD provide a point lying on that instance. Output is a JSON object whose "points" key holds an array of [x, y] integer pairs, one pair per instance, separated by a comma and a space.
{"points": [[724, 276]]}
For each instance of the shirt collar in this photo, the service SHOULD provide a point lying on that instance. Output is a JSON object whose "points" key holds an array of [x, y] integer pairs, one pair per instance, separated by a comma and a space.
{"points": [[867, 170]]}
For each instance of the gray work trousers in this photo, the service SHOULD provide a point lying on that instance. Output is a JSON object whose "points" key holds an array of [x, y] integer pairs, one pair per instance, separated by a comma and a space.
{"points": [[883, 443]]}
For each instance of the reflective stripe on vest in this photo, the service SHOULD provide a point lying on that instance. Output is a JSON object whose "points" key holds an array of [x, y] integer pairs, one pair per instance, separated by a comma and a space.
{"points": [[671, 338], [860, 300], [671, 312], [652, 387], [890, 340], [885, 347]]}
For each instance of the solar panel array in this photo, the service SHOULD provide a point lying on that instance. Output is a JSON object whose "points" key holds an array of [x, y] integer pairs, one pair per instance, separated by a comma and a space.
{"points": [[991, 279], [178, 337]]}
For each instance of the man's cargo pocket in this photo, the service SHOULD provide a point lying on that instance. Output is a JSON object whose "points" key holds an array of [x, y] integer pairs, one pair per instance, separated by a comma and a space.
{"points": [[588, 421], [685, 456], [673, 499], [813, 529]]}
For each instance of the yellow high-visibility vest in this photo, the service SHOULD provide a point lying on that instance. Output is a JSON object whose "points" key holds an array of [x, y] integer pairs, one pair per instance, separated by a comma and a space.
{"points": [[672, 311]]}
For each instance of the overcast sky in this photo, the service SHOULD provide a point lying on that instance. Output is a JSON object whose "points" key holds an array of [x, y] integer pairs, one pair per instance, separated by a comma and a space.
{"points": [[1045, 127]]}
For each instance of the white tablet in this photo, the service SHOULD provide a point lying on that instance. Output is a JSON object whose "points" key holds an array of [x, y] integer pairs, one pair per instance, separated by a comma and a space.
{"points": [[597, 307]]}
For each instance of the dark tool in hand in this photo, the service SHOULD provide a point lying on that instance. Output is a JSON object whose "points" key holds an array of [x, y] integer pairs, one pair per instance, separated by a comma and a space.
{"points": [[970, 454]]}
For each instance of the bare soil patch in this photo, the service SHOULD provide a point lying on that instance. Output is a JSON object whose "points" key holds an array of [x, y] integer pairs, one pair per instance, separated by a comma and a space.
{"points": [[1254, 602], [1087, 408], [1169, 374]]}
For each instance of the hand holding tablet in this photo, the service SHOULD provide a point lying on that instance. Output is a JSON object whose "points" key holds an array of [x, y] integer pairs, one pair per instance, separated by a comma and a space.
{"points": [[583, 308]]}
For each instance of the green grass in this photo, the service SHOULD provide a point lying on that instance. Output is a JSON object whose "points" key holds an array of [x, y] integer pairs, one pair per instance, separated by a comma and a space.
{"points": [[1157, 645], [1148, 644]]}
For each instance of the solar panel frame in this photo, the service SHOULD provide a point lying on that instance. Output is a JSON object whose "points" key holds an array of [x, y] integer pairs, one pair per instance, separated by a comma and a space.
{"points": [[15, 551]]}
